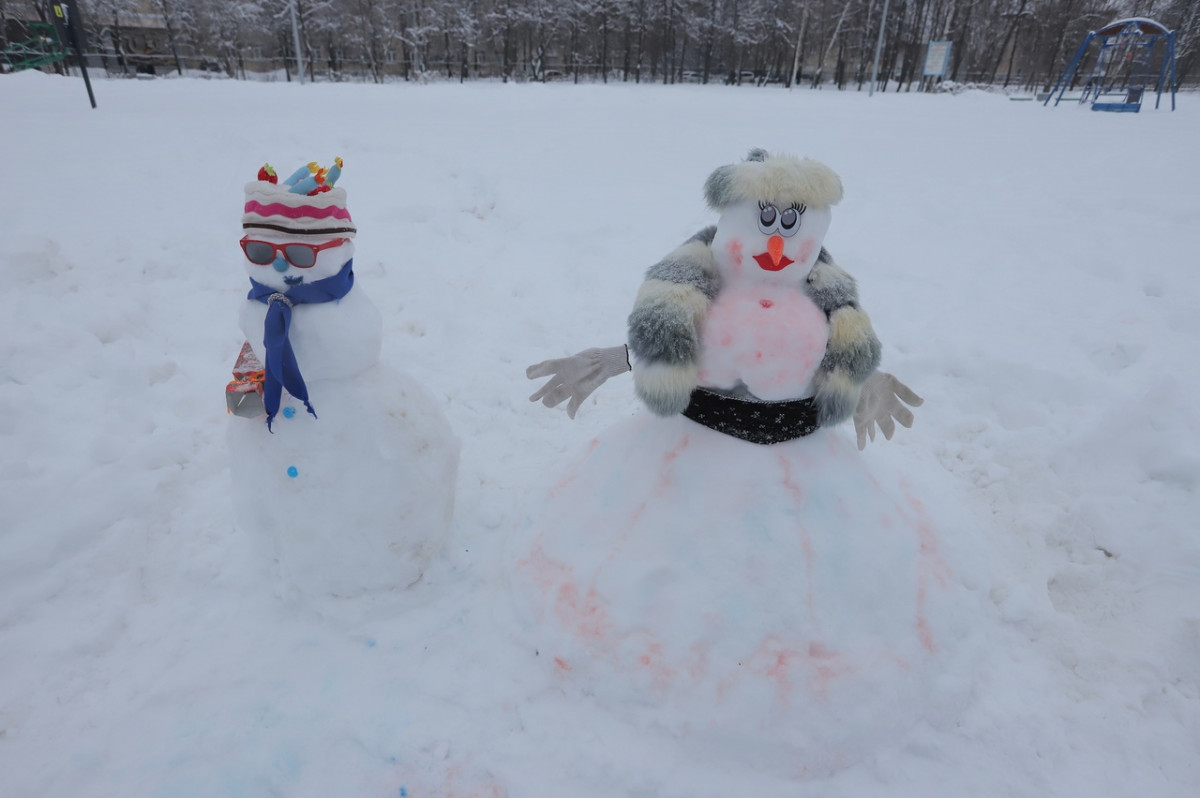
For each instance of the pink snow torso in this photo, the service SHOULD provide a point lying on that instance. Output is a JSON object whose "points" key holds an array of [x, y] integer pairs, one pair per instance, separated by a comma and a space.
{"points": [[772, 338]]}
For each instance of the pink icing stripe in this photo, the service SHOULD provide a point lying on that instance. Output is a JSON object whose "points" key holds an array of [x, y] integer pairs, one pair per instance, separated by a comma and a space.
{"points": [[304, 211]]}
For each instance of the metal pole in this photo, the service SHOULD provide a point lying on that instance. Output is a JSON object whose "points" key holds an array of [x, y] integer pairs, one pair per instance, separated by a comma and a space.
{"points": [[73, 25], [878, 48], [296, 39], [1174, 80]]}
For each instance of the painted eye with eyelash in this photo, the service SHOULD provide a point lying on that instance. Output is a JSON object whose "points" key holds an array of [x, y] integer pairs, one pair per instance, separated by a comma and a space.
{"points": [[767, 217], [789, 220]]}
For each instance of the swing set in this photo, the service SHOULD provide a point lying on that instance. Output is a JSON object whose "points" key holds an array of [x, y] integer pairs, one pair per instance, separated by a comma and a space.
{"points": [[1124, 68]]}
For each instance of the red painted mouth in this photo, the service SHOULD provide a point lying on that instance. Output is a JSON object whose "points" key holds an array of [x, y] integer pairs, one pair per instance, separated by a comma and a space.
{"points": [[765, 261]]}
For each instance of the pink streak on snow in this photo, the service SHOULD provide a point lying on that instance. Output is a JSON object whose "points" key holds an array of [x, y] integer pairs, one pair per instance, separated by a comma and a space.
{"points": [[581, 613], [662, 483], [931, 567], [774, 660], [664, 474], [797, 493], [827, 667], [651, 660], [573, 471]]}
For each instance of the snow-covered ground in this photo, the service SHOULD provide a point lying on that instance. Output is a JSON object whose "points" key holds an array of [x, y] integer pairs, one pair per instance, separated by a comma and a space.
{"points": [[1032, 272]]}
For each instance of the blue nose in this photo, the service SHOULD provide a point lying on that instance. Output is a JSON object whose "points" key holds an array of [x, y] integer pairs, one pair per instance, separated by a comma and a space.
{"points": [[280, 264]]}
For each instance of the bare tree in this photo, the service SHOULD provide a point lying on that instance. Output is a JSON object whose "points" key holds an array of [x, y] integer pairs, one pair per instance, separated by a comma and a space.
{"points": [[1006, 42]]}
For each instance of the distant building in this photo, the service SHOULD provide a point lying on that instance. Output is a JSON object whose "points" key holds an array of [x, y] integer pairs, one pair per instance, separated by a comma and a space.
{"points": [[132, 40]]}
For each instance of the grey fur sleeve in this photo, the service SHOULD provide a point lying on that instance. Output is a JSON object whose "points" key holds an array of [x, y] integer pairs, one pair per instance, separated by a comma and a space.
{"points": [[690, 264], [853, 351], [829, 286], [664, 327]]}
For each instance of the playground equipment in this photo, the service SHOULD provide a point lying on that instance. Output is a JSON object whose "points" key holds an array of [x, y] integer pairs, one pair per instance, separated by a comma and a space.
{"points": [[48, 43], [41, 48], [1124, 66]]}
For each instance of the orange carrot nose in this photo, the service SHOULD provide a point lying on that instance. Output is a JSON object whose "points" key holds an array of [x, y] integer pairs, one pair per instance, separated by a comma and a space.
{"points": [[775, 248]]}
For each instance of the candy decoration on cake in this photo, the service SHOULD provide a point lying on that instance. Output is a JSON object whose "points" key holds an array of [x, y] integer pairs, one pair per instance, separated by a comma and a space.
{"points": [[726, 562], [353, 494]]}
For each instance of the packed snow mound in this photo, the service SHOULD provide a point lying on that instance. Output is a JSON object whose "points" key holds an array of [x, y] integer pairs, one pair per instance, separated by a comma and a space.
{"points": [[773, 602], [357, 500]]}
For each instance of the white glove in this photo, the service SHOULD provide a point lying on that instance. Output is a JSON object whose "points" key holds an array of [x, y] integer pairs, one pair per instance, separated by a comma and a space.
{"points": [[578, 375], [879, 403]]}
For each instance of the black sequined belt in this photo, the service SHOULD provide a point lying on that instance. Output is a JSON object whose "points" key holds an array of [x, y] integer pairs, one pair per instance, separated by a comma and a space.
{"points": [[753, 419]]}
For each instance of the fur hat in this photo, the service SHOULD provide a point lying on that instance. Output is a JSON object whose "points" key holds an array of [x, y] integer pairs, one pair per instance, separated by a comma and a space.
{"points": [[291, 208], [777, 179]]}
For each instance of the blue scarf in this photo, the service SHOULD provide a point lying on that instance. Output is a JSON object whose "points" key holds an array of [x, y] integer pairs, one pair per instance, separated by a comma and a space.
{"points": [[282, 370]]}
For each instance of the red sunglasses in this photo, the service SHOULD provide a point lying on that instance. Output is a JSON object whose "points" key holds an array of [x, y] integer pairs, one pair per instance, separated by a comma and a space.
{"points": [[302, 256]]}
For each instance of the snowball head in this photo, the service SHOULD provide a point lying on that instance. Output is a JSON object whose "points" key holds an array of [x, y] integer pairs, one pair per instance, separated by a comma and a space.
{"points": [[761, 243], [332, 340]]}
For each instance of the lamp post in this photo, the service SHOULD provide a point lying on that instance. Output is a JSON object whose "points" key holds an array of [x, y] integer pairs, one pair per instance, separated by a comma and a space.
{"points": [[68, 21]]}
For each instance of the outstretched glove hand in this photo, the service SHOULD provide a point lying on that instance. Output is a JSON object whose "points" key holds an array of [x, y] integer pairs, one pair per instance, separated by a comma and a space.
{"points": [[880, 403], [577, 376]]}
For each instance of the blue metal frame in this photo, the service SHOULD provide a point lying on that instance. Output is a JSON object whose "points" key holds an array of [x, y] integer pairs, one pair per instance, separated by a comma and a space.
{"points": [[1132, 38], [1068, 74]]}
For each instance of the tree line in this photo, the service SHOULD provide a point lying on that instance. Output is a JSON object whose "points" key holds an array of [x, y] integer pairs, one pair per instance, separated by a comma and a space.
{"points": [[836, 43]]}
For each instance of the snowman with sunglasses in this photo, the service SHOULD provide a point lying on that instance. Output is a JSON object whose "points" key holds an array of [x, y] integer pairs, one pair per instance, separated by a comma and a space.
{"points": [[301, 318], [346, 467]]}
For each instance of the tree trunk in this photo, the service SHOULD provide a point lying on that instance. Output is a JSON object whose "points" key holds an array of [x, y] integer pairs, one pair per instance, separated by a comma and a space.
{"points": [[710, 39], [962, 42], [641, 42], [1012, 58], [797, 67], [287, 73], [678, 74], [166, 15], [628, 51], [1008, 35], [604, 49], [833, 40]]}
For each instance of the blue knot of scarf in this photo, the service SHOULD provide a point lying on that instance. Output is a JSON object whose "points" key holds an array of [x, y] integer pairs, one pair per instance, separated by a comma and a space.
{"points": [[281, 369]]}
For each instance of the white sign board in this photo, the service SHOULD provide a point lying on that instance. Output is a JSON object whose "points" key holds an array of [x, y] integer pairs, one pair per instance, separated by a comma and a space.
{"points": [[937, 59]]}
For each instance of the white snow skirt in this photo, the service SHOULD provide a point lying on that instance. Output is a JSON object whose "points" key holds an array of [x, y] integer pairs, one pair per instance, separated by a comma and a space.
{"points": [[775, 603]]}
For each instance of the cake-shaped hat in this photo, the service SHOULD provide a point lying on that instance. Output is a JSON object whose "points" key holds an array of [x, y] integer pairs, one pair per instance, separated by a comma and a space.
{"points": [[306, 204]]}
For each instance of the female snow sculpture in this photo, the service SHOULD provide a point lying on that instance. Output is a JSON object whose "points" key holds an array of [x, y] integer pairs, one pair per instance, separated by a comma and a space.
{"points": [[727, 564], [726, 327]]}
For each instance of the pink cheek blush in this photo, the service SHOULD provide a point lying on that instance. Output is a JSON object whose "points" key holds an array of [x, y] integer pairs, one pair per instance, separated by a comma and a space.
{"points": [[806, 249], [734, 248]]}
